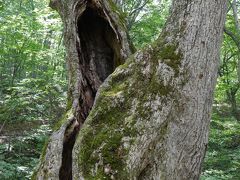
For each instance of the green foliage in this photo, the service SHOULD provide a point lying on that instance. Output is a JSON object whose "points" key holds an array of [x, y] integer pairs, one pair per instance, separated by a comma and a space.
{"points": [[33, 99], [20, 153], [228, 76], [32, 83], [149, 23], [32, 69], [222, 159]]}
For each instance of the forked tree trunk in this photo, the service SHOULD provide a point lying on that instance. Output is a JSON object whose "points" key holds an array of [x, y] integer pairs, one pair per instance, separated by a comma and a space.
{"points": [[150, 118]]}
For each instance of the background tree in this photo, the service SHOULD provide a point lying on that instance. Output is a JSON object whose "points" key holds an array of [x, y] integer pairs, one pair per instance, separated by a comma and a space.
{"points": [[230, 66]]}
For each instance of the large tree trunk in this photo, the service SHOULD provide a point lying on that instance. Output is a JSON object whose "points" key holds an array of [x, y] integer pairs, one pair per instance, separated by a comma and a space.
{"points": [[150, 118]]}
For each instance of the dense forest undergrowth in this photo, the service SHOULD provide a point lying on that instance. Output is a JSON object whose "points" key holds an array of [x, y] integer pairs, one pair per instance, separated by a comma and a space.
{"points": [[33, 83], [21, 148], [222, 160]]}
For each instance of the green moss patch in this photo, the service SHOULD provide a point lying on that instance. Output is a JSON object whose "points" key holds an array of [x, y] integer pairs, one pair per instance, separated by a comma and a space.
{"points": [[104, 142], [171, 57]]}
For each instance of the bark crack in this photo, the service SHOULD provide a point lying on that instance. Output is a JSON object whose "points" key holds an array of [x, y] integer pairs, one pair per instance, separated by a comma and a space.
{"points": [[99, 54]]}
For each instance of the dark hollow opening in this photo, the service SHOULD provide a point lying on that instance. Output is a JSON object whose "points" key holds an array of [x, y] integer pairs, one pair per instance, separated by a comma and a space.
{"points": [[95, 37], [98, 53], [98, 56]]}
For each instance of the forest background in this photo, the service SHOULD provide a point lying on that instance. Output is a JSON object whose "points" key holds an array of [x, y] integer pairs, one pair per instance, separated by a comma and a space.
{"points": [[33, 82]]}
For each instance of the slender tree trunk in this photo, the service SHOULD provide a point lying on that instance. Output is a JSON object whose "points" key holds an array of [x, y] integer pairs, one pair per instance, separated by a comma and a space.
{"points": [[150, 118]]}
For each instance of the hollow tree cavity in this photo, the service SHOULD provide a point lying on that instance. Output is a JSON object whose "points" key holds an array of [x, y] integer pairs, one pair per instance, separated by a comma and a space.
{"points": [[97, 57]]}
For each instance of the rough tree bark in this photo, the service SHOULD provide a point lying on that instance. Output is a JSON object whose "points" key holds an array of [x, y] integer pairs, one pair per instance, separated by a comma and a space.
{"points": [[150, 117]]}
